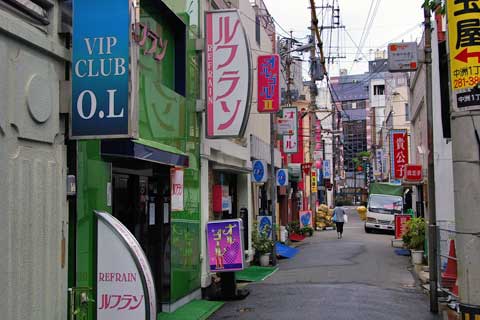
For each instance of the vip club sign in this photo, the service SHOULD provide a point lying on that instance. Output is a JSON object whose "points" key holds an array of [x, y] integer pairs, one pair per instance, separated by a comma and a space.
{"points": [[268, 76], [225, 245], [125, 285], [398, 152], [282, 177], [227, 66], [101, 70], [259, 171]]}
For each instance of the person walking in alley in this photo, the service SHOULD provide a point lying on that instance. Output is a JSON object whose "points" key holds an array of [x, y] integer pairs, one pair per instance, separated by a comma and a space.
{"points": [[339, 218]]}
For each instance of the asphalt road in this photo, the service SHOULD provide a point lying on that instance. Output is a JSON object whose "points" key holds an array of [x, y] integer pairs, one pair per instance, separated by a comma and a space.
{"points": [[357, 277]]}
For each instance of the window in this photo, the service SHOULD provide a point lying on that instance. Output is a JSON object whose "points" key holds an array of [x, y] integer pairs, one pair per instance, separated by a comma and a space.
{"points": [[379, 90], [37, 10], [257, 29], [407, 112]]}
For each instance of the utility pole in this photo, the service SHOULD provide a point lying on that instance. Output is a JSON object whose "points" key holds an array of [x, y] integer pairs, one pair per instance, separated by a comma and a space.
{"points": [[288, 62], [273, 186], [465, 123], [312, 108], [432, 217]]}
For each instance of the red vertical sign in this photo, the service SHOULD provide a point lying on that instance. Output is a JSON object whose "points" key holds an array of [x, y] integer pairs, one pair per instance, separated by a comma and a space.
{"points": [[268, 74], [400, 225], [398, 152]]}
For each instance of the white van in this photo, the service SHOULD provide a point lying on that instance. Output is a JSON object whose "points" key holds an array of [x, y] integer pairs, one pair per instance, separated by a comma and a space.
{"points": [[381, 210]]}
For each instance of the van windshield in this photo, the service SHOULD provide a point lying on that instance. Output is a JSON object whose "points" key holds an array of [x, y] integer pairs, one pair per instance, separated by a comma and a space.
{"points": [[385, 204]]}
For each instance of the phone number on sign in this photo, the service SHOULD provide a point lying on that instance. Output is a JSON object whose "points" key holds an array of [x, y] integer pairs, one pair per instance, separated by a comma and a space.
{"points": [[464, 82]]}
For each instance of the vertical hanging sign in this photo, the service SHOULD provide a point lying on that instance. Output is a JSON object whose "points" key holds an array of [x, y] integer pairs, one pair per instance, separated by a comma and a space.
{"points": [[290, 142], [125, 285], [398, 152], [268, 73], [228, 84], [176, 179], [464, 52], [102, 100]]}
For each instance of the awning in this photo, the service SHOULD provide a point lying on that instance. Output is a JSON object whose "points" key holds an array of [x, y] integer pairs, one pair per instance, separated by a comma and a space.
{"points": [[231, 169], [145, 150]]}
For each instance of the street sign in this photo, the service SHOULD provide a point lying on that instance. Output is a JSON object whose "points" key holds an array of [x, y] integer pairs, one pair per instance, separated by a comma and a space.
{"points": [[317, 155], [326, 169], [225, 245], [398, 152], [228, 74], [268, 76], [259, 171], [285, 126], [305, 219], [290, 142], [464, 53], [282, 177], [413, 173], [264, 222], [400, 225], [314, 181], [402, 57]]}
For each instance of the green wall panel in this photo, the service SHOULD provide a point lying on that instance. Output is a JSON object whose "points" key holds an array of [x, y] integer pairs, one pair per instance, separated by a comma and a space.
{"points": [[170, 118], [93, 176]]}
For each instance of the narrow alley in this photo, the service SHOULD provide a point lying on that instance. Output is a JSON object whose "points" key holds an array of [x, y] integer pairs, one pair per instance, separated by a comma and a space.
{"points": [[357, 277]]}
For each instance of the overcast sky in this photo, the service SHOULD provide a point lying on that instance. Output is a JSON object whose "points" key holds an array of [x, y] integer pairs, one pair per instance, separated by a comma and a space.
{"points": [[393, 20]]}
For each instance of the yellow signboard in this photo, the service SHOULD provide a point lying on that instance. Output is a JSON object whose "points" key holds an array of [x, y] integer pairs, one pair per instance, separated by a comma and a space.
{"points": [[464, 45], [314, 182]]}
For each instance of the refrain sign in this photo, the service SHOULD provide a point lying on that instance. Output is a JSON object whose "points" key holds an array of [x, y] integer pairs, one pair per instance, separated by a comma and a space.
{"points": [[227, 66]]}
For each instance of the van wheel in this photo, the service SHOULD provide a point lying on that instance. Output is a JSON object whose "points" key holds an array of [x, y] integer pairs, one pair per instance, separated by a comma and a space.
{"points": [[368, 230]]}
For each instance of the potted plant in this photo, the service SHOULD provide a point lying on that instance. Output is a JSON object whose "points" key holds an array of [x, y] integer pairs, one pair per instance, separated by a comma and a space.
{"points": [[414, 238], [263, 245]]}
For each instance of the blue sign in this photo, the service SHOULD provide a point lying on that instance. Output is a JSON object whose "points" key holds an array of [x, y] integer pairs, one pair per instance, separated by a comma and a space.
{"points": [[100, 69], [263, 222], [259, 171], [282, 177], [326, 169]]}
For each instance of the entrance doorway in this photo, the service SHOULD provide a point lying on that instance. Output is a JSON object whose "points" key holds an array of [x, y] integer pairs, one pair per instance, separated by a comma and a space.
{"points": [[141, 201]]}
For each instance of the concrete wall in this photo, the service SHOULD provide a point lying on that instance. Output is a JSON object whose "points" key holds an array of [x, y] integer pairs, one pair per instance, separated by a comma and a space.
{"points": [[443, 149], [234, 153], [33, 206]]}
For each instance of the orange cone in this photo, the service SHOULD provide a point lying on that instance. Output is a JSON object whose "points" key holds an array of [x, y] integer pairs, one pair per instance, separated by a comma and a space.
{"points": [[455, 288], [449, 277]]}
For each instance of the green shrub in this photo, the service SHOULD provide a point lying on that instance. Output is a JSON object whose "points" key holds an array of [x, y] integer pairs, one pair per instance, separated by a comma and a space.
{"points": [[414, 237], [261, 242]]}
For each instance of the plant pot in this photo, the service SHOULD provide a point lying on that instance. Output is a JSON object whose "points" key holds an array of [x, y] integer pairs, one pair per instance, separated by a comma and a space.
{"points": [[265, 260], [417, 256]]}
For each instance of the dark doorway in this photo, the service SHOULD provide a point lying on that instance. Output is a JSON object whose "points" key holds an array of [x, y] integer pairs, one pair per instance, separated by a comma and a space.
{"points": [[141, 201]]}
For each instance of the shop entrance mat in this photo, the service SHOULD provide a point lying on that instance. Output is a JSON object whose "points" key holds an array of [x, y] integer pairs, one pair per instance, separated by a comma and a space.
{"points": [[255, 273], [194, 310]]}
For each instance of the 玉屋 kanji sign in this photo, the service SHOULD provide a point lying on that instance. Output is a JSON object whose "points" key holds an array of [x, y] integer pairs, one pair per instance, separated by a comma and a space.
{"points": [[464, 45], [398, 152], [228, 75]]}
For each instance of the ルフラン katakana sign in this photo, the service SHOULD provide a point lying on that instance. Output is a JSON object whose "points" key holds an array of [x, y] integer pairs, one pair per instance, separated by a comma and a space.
{"points": [[464, 44]]}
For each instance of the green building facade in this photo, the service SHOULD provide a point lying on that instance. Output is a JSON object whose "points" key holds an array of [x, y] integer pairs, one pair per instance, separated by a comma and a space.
{"points": [[126, 187]]}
